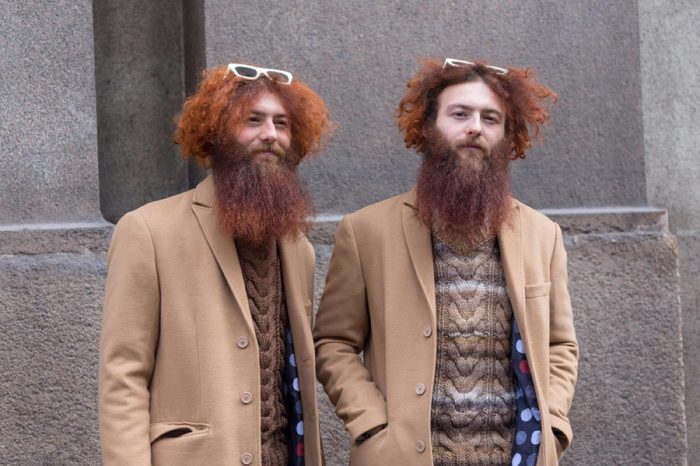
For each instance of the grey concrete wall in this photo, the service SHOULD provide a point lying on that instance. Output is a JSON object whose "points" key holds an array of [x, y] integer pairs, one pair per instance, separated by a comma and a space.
{"points": [[359, 55], [670, 51], [140, 88], [47, 96], [52, 236], [51, 285]]}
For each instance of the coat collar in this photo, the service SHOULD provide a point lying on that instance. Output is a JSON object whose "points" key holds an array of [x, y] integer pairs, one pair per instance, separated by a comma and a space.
{"points": [[224, 250], [420, 249]]}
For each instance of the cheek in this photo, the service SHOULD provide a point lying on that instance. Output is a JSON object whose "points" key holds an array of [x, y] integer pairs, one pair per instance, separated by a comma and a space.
{"points": [[245, 136], [495, 136], [284, 139]]}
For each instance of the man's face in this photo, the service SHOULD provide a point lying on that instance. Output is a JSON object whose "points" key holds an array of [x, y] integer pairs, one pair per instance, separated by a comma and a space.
{"points": [[471, 117], [265, 133]]}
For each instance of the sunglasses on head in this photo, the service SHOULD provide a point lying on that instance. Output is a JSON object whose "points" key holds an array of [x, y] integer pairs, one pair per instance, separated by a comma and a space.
{"points": [[253, 72], [464, 63]]}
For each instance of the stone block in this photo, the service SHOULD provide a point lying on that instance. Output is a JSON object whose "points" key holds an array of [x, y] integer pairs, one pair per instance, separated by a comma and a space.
{"points": [[48, 171], [50, 313]]}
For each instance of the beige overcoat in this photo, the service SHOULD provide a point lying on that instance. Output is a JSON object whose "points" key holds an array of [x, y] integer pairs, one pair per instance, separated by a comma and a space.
{"points": [[380, 298], [179, 367]]}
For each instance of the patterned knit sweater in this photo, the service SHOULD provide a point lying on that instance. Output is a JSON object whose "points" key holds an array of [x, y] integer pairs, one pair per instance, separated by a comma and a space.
{"points": [[473, 402], [263, 285]]}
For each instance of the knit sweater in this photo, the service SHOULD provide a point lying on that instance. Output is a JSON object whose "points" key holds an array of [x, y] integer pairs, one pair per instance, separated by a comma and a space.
{"points": [[473, 402], [263, 285]]}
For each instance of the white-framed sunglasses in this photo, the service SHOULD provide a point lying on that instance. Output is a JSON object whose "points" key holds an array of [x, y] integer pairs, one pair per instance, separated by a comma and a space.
{"points": [[457, 62], [253, 72]]}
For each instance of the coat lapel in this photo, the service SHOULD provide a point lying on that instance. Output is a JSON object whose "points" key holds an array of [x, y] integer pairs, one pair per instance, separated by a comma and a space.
{"points": [[420, 248], [221, 245], [293, 277], [510, 244]]}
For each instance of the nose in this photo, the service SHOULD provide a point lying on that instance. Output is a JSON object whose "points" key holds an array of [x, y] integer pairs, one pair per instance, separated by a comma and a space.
{"points": [[473, 127], [269, 132]]}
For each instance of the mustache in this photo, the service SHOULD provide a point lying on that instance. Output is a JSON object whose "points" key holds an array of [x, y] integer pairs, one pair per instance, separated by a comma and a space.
{"points": [[274, 147], [472, 143]]}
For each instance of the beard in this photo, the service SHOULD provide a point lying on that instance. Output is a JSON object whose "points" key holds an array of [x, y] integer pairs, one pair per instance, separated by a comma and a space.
{"points": [[258, 201], [463, 195]]}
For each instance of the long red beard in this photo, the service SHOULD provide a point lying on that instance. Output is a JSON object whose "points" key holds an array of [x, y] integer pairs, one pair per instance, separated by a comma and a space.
{"points": [[260, 201], [461, 204]]}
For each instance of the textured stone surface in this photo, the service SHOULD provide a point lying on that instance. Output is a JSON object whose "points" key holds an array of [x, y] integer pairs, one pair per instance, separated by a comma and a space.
{"points": [[50, 308], [140, 89], [670, 50], [48, 167], [620, 282], [56, 238], [689, 265], [359, 56], [670, 53]]}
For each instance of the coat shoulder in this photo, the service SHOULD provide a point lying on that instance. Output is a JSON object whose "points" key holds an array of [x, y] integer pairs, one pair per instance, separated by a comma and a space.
{"points": [[534, 220], [164, 213], [381, 212]]}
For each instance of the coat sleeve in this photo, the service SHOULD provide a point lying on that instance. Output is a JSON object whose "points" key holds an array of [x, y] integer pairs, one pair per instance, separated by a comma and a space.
{"points": [[563, 347], [341, 331], [127, 350]]}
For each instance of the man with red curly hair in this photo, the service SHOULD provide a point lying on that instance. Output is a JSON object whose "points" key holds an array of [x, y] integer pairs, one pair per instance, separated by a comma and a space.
{"points": [[207, 355], [455, 292]]}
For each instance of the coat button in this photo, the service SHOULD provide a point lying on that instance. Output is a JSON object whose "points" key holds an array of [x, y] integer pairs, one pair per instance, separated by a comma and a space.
{"points": [[420, 446], [246, 458], [242, 342], [246, 397], [427, 331], [420, 389]]}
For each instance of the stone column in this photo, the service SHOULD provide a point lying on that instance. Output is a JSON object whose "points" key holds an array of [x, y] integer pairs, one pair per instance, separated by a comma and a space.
{"points": [[588, 174], [52, 235], [671, 92]]}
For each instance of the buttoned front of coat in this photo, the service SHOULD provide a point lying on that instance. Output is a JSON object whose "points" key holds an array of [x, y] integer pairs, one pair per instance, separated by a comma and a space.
{"points": [[379, 300], [179, 363]]}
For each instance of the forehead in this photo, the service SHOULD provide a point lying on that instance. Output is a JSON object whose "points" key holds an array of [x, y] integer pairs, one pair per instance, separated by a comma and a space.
{"points": [[473, 94], [268, 103]]}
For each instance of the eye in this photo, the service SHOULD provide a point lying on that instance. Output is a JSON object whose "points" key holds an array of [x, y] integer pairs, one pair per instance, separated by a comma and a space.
{"points": [[254, 119], [459, 114], [281, 123], [491, 119]]}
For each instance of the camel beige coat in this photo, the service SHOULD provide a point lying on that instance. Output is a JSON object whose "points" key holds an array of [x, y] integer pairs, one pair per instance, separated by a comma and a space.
{"points": [[179, 367], [380, 299]]}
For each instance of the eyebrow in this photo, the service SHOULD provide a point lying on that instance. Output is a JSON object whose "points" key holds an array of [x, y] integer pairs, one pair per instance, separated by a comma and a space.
{"points": [[276, 115]]}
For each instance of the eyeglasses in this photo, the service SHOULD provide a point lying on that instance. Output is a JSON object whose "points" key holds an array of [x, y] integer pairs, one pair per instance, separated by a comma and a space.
{"points": [[253, 72], [456, 62]]}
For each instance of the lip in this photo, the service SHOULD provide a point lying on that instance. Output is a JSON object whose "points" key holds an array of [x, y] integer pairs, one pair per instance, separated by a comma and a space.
{"points": [[266, 155]]}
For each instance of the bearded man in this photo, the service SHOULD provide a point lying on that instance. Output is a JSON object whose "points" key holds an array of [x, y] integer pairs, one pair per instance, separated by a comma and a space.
{"points": [[207, 354], [455, 292]]}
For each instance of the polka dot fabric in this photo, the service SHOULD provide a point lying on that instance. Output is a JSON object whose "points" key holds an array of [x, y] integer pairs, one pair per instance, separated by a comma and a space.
{"points": [[292, 398], [528, 428]]}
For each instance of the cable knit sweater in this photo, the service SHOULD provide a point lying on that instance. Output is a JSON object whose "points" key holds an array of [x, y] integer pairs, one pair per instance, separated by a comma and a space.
{"points": [[263, 284], [473, 404]]}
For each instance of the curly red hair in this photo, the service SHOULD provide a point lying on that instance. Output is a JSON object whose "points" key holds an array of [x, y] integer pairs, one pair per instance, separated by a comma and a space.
{"points": [[211, 116], [524, 98]]}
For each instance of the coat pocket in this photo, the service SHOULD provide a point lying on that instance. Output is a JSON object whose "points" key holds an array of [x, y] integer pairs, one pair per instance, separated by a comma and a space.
{"points": [[537, 290], [162, 430]]}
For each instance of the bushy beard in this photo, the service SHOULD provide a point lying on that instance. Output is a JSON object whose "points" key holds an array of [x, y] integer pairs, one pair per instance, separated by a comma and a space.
{"points": [[258, 201], [463, 201]]}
